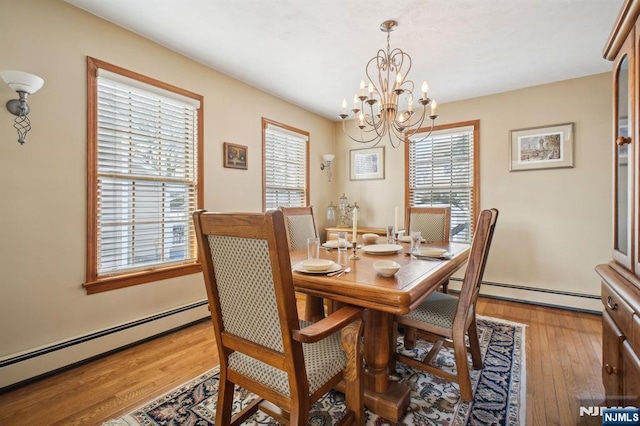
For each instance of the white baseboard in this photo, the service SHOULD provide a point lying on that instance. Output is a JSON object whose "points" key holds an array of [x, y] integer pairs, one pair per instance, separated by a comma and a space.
{"points": [[16, 368], [537, 296]]}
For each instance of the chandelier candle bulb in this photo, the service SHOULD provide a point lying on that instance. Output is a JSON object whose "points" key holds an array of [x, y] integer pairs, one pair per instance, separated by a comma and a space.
{"points": [[425, 88], [344, 106], [361, 87], [433, 108]]}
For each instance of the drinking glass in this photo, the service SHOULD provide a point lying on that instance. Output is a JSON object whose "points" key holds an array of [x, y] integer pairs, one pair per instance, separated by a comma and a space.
{"points": [[391, 234], [342, 242], [416, 236], [313, 248]]}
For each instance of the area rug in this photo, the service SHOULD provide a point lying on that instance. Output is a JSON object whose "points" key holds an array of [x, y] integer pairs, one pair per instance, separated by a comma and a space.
{"points": [[499, 391]]}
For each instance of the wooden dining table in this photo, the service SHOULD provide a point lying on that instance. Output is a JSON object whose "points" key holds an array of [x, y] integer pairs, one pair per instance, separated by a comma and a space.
{"points": [[384, 297]]}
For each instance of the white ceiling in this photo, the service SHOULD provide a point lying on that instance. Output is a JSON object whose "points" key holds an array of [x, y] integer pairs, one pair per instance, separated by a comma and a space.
{"points": [[313, 53]]}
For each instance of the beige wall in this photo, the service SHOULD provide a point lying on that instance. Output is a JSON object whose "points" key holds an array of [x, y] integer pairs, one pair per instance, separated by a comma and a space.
{"points": [[554, 225], [43, 183]]}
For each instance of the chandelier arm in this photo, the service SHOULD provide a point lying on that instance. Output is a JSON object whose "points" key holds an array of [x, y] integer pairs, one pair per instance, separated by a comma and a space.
{"points": [[346, 132], [425, 136], [418, 121]]}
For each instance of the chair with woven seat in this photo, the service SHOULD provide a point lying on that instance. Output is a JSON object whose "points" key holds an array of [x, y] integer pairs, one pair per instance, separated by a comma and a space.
{"points": [[262, 344], [300, 225], [443, 317], [434, 223]]}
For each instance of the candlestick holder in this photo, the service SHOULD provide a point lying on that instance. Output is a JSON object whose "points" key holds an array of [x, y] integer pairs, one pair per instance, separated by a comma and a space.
{"points": [[354, 256]]}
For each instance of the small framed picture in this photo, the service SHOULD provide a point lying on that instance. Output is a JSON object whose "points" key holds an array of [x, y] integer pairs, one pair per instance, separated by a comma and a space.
{"points": [[548, 147], [235, 156], [366, 164]]}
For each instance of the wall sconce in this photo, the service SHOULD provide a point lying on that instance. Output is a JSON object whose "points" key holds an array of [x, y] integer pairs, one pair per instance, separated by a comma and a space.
{"points": [[328, 158], [24, 84]]}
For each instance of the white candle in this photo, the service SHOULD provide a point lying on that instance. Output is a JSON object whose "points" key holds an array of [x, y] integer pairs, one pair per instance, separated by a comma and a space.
{"points": [[433, 107], [395, 222], [355, 225]]}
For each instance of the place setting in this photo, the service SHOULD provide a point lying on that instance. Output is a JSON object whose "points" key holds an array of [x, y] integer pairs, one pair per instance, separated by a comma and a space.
{"points": [[426, 253], [315, 265]]}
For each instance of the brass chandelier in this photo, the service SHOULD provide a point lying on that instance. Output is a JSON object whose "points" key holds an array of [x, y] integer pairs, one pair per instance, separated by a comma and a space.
{"points": [[377, 110]]}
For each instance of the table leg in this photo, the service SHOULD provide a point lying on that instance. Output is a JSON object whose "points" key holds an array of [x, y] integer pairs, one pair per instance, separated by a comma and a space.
{"points": [[383, 397]]}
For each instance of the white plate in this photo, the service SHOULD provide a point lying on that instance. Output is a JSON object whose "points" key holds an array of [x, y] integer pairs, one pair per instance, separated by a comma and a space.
{"points": [[317, 264], [382, 248], [331, 244], [432, 252], [299, 268]]}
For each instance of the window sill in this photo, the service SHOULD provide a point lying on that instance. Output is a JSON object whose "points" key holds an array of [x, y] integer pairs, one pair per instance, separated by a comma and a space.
{"points": [[126, 280]]}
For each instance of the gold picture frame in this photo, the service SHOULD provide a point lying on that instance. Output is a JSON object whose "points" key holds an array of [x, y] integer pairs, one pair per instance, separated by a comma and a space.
{"points": [[235, 156]]}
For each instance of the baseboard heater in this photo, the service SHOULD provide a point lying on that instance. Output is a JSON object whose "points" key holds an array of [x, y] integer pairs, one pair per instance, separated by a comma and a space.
{"points": [[584, 296], [17, 370]]}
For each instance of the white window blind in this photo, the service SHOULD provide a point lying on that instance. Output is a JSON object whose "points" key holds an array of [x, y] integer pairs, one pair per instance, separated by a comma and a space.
{"points": [[441, 174], [147, 178], [285, 168]]}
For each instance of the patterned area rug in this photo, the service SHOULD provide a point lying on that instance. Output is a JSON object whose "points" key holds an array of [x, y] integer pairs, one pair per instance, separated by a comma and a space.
{"points": [[500, 390]]}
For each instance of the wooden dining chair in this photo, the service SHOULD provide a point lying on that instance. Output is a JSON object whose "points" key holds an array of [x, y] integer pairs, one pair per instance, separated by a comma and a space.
{"points": [[300, 225], [434, 223], [443, 317], [262, 344]]}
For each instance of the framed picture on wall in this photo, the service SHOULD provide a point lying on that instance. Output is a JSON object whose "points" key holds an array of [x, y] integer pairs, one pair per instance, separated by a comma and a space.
{"points": [[547, 147], [366, 164], [235, 156]]}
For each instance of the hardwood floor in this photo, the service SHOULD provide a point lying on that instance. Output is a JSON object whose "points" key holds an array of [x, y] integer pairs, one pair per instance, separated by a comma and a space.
{"points": [[564, 351]]}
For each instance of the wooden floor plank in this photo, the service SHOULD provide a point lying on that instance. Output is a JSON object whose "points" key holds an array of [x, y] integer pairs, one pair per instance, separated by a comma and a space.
{"points": [[563, 348]]}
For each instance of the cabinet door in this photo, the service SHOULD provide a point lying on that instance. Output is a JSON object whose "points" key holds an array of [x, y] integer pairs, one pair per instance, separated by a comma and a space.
{"points": [[612, 339], [623, 74], [631, 379]]}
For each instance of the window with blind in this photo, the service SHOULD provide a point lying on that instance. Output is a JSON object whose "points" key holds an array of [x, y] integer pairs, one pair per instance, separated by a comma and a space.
{"points": [[442, 171], [144, 178], [285, 166]]}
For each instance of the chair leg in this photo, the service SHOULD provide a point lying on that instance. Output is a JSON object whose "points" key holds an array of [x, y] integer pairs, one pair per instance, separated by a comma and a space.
{"points": [[225, 401], [409, 337], [474, 345], [462, 366]]}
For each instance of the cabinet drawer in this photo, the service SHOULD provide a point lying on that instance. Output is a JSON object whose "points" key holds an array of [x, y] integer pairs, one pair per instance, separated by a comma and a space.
{"points": [[619, 310], [634, 338], [612, 340], [631, 379]]}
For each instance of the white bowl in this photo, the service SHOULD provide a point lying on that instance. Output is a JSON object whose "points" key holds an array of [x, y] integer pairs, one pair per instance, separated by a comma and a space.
{"points": [[386, 268], [317, 264], [370, 238]]}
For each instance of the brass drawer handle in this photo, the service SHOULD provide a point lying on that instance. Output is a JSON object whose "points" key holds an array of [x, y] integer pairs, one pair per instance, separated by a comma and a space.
{"points": [[613, 306], [622, 140], [609, 369]]}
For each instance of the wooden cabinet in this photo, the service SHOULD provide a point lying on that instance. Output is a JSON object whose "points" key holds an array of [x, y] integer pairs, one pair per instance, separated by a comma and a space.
{"points": [[621, 276]]}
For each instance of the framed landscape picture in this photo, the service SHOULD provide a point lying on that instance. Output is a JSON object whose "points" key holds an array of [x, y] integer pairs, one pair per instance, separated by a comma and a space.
{"points": [[547, 147], [235, 156], [366, 164]]}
